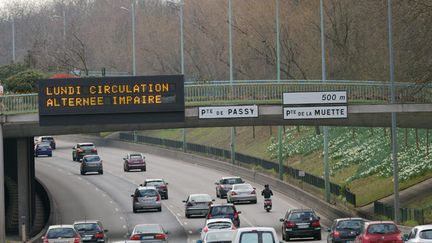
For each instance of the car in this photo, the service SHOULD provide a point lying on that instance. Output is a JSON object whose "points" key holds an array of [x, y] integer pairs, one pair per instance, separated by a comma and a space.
{"points": [[61, 233], [225, 184], [344, 230], [91, 163], [160, 185], [419, 234], [81, 149], [134, 161], [91, 231], [227, 210], [242, 193], [218, 236], [379, 231], [149, 233], [146, 197], [197, 204], [47, 139], [217, 224], [42, 149], [255, 235], [301, 223]]}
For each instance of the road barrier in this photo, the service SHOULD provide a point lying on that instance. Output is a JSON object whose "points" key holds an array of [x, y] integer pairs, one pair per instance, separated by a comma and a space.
{"points": [[246, 159], [406, 214]]}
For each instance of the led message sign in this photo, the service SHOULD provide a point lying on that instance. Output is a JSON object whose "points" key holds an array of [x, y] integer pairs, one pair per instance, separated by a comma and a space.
{"points": [[111, 100]]}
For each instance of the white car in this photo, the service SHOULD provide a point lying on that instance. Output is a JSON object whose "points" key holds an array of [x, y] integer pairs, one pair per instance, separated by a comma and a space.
{"points": [[217, 236], [61, 233], [215, 225], [420, 234], [242, 193], [255, 235]]}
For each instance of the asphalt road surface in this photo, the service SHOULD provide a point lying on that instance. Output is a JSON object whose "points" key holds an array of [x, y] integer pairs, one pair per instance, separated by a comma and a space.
{"points": [[107, 197]]}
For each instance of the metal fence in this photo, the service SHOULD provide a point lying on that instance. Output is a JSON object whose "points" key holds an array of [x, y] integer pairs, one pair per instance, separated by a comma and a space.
{"points": [[406, 214], [242, 158], [264, 92]]}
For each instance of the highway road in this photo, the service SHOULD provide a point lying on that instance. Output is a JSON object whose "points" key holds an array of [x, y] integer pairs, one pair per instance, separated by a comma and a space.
{"points": [[107, 197]]}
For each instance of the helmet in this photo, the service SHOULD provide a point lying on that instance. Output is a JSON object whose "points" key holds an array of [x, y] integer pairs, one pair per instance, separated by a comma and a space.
{"points": [[266, 185]]}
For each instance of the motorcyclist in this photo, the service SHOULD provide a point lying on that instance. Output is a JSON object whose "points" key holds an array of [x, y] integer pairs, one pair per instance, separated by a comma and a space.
{"points": [[267, 193]]}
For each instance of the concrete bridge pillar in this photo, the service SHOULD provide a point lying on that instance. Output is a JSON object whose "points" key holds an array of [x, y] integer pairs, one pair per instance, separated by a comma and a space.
{"points": [[26, 193]]}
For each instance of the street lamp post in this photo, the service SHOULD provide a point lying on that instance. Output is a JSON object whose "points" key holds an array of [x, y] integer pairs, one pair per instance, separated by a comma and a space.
{"points": [[280, 160], [133, 38], [13, 39], [233, 132]]}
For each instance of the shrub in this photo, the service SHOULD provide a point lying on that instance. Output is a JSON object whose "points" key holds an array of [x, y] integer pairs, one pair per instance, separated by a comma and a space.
{"points": [[24, 82]]}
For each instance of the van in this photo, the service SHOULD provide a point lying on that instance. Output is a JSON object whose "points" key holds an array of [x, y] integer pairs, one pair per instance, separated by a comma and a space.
{"points": [[255, 235]]}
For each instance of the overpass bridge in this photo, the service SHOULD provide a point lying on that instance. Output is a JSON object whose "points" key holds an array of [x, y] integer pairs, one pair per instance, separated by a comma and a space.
{"points": [[368, 105]]}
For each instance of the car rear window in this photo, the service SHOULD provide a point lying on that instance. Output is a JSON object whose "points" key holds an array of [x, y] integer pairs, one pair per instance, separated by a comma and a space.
{"points": [[302, 216], [242, 187], [426, 234], [92, 158], [147, 193], [44, 145], [135, 156], [154, 183], [87, 227], [232, 181], [222, 210], [218, 236], [349, 224], [60, 232], [252, 237], [201, 198], [87, 146], [382, 229], [47, 139], [219, 225], [143, 229]]}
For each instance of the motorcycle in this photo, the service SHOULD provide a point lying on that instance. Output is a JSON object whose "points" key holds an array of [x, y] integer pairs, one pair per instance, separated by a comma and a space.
{"points": [[268, 204]]}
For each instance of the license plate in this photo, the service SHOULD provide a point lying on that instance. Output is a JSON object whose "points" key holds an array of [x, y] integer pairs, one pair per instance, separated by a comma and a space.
{"points": [[303, 226], [146, 237], [349, 241], [87, 238]]}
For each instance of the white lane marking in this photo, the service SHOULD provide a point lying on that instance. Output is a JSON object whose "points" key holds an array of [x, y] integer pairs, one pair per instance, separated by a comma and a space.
{"points": [[116, 209], [97, 189], [104, 195], [190, 231], [171, 206], [172, 212], [121, 218], [88, 183], [79, 178], [247, 221], [111, 202], [178, 214], [185, 223], [124, 227]]}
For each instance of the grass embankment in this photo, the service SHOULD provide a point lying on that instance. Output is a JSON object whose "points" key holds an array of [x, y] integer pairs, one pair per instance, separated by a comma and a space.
{"points": [[359, 157]]}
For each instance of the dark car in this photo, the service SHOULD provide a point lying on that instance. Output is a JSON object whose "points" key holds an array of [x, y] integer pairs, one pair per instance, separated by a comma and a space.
{"points": [[225, 184], [160, 185], [344, 230], [224, 211], [91, 163], [91, 231], [134, 161], [301, 223], [42, 149], [81, 149], [47, 139]]}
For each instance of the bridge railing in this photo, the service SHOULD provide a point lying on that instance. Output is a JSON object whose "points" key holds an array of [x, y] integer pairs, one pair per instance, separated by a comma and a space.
{"points": [[263, 92]]}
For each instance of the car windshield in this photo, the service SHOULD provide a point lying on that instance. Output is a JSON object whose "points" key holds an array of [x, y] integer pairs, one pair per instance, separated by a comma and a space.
{"points": [[242, 187], [147, 193], [92, 159], [200, 198], [219, 225], [382, 229], [87, 227], [426, 234], [301, 216], [142, 229], [232, 181], [154, 183], [219, 236], [61, 232], [349, 224], [135, 156], [222, 210]]}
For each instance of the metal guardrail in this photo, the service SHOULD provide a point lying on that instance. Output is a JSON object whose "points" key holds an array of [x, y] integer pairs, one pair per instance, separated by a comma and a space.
{"points": [[263, 92], [407, 214]]}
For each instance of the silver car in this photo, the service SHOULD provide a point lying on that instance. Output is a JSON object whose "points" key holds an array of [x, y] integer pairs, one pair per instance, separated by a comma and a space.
{"points": [[149, 233], [91, 163], [242, 193], [146, 197], [61, 233], [419, 234], [197, 204]]}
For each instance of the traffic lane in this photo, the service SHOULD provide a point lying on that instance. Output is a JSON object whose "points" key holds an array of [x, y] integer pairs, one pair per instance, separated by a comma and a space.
{"points": [[185, 178], [119, 190], [73, 195]]}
